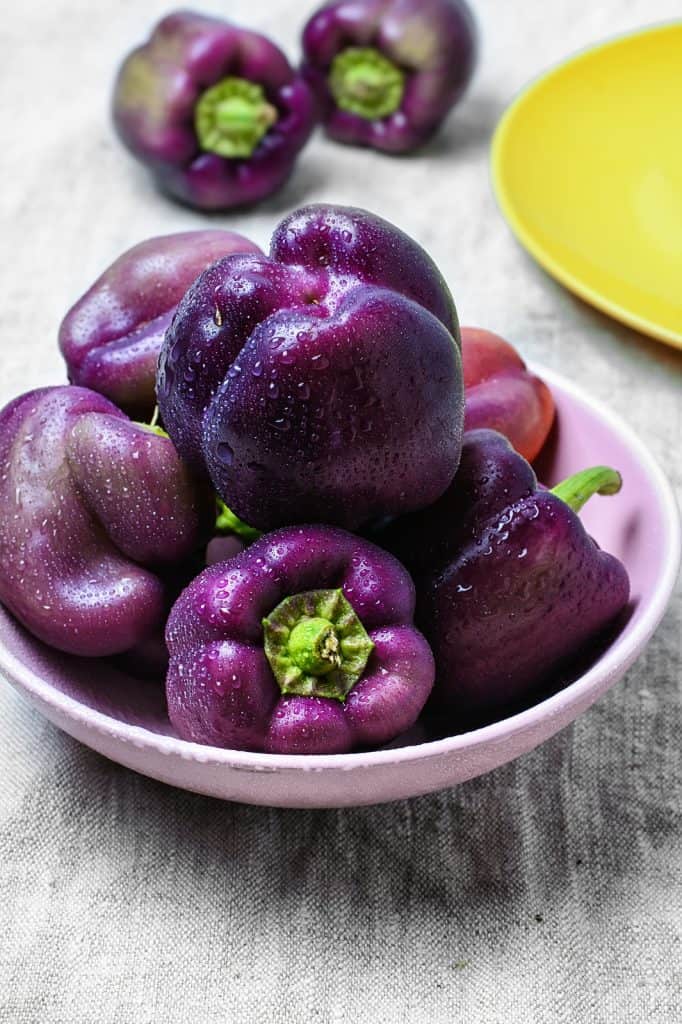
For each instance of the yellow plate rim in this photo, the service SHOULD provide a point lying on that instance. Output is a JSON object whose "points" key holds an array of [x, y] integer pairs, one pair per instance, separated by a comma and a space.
{"points": [[526, 236]]}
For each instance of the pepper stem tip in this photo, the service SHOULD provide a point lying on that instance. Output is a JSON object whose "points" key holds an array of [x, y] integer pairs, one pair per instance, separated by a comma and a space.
{"points": [[232, 116], [365, 82], [579, 488]]}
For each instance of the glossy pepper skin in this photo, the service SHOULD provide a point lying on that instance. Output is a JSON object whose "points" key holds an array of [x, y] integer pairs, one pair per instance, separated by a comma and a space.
{"points": [[95, 510], [387, 72], [322, 383], [111, 337], [510, 585], [214, 110], [501, 393], [359, 673]]}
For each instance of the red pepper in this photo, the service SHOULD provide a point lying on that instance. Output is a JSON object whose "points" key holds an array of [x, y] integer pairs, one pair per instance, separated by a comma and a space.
{"points": [[502, 395]]}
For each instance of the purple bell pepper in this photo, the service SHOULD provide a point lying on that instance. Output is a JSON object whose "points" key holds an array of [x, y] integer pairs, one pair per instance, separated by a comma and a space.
{"points": [[511, 587], [111, 337], [387, 72], [95, 509], [215, 111], [322, 383], [302, 644]]}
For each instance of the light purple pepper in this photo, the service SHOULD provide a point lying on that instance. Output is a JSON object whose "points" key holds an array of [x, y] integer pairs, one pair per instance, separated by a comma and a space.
{"points": [[111, 337], [214, 110], [322, 383], [304, 643], [95, 510], [387, 72]]}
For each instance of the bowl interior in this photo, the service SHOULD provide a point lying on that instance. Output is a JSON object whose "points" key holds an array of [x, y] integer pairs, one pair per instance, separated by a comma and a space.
{"points": [[639, 526], [586, 166]]}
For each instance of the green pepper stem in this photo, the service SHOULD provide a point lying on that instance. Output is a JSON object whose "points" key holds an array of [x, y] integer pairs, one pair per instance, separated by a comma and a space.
{"points": [[580, 487], [232, 117], [153, 426], [365, 82], [228, 522], [316, 644]]}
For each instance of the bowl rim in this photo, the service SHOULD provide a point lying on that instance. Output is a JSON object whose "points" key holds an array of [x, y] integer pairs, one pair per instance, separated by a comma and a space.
{"points": [[524, 234], [615, 660]]}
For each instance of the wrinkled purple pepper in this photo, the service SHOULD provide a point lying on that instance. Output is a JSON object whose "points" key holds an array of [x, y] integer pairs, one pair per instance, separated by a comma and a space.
{"points": [[111, 337], [387, 72], [302, 644], [95, 508], [215, 111], [510, 586], [322, 383]]}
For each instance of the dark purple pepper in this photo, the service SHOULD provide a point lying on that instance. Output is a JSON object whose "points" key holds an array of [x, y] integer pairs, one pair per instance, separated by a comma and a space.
{"points": [[510, 585], [214, 110], [111, 337], [97, 511], [322, 383], [302, 644], [387, 72]]}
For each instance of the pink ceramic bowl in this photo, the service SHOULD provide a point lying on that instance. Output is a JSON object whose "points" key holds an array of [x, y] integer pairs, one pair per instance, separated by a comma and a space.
{"points": [[126, 720]]}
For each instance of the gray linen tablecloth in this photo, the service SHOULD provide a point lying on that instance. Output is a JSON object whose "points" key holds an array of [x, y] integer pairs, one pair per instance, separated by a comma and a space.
{"points": [[545, 892]]}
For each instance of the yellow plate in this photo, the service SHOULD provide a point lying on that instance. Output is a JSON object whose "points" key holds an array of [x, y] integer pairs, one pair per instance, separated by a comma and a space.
{"points": [[587, 168]]}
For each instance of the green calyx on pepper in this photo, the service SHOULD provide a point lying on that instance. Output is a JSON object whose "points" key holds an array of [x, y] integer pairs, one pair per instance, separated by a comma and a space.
{"points": [[232, 117], [365, 82], [316, 644]]}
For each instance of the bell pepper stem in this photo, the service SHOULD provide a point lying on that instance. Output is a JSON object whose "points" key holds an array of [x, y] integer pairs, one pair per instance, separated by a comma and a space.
{"points": [[227, 522], [232, 117], [365, 82], [153, 426], [580, 487], [316, 644]]}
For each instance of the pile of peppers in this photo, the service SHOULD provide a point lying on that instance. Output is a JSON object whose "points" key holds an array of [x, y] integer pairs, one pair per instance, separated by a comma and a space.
{"points": [[328, 530], [289, 482]]}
